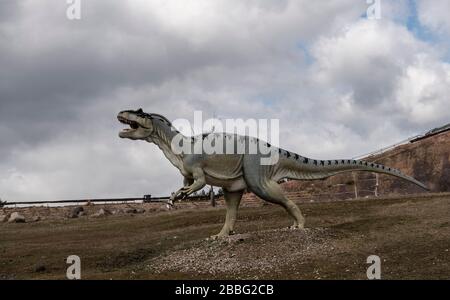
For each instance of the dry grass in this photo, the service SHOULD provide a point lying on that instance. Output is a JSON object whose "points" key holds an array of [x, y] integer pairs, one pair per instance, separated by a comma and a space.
{"points": [[411, 235]]}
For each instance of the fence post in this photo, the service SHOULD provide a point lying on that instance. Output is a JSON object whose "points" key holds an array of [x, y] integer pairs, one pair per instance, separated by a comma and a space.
{"points": [[354, 183], [211, 197], [376, 184]]}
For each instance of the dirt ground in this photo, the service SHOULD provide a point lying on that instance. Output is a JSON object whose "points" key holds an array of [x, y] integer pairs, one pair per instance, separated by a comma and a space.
{"points": [[410, 235]]}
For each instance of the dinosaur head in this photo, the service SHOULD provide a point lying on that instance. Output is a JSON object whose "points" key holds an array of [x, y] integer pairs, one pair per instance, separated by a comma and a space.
{"points": [[140, 124]]}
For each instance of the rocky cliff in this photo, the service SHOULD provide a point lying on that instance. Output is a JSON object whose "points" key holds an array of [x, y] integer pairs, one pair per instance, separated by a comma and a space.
{"points": [[426, 159]]}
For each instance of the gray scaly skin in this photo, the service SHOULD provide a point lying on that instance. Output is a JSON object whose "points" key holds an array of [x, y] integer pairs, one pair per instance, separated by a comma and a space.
{"points": [[236, 173]]}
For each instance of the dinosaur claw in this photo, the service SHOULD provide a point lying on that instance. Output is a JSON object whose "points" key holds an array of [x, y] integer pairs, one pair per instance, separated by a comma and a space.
{"points": [[296, 227]]}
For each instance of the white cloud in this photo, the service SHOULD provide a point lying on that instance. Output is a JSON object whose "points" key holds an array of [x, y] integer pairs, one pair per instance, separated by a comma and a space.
{"points": [[423, 91], [73, 168], [435, 15], [341, 85], [380, 68]]}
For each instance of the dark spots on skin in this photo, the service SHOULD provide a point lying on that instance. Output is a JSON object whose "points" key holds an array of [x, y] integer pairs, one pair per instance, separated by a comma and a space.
{"points": [[329, 162], [268, 145], [383, 167], [315, 162], [336, 162], [322, 163], [389, 169], [343, 161], [360, 162], [306, 160], [288, 154], [372, 165], [348, 161], [297, 156], [366, 163], [279, 151], [354, 162]]}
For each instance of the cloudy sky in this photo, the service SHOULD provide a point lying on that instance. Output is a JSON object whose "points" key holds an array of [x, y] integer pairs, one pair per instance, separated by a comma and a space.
{"points": [[341, 84]]}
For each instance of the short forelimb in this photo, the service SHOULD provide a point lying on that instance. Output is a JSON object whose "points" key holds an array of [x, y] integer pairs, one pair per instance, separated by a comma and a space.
{"points": [[198, 182]]}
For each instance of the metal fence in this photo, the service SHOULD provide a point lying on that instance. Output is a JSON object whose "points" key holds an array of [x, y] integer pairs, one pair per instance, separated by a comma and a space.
{"points": [[144, 199]]}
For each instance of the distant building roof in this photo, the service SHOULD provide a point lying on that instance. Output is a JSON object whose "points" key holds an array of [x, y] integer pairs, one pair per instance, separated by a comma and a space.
{"points": [[413, 139], [432, 133]]}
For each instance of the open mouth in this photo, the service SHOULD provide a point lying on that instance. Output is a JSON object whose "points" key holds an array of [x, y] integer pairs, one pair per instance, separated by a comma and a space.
{"points": [[133, 124]]}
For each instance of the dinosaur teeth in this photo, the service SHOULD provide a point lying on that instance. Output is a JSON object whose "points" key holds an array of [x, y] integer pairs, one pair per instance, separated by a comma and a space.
{"points": [[132, 124]]}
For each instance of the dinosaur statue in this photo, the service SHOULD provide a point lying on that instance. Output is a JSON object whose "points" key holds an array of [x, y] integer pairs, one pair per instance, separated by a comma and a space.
{"points": [[236, 172]]}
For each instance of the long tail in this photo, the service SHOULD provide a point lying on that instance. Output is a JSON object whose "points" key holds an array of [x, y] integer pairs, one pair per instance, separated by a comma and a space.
{"points": [[320, 169]]}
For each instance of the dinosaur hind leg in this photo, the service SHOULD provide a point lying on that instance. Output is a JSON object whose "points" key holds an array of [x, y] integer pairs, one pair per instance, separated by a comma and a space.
{"points": [[232, 200], [271, 191]]}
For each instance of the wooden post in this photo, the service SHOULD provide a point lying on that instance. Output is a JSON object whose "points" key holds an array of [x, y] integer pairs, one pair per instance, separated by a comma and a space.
{"points": [[354, 183], [211, 197], [376, 184]]}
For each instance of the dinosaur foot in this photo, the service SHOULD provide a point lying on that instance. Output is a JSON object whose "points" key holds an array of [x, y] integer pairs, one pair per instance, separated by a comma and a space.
{"points": [[216, 237], [220, 236], [170, 204], [296, 227]]}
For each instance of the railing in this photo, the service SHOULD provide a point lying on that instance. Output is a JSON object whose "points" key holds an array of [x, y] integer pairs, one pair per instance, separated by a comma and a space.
{"points": [[113, 200], [408, 140], [382, 150]]}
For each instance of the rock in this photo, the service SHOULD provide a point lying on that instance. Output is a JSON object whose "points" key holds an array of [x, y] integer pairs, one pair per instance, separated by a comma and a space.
{"points": [[140, 210], [75, 212], [16, 218], [130, 210], [36, 219], [101, 213], [39, 268], [164, 207], [72, 215]]}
